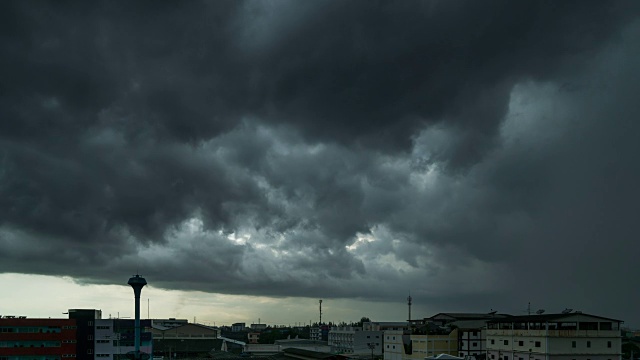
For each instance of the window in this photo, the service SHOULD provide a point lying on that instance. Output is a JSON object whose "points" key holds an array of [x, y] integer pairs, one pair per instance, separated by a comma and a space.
{"points": [[394, 346], [537, 343], [89, 351], [609, 344], [89, 323], [573, 344], [102, 328], [520, 343], [506, 357], [493, 356], [89, 337], [492, 342], [506, 342], [588, 345], [475, 333], [475, 344]]}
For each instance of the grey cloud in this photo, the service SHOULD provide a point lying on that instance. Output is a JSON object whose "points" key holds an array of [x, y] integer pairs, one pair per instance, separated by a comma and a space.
{"points": [[470, 142]]}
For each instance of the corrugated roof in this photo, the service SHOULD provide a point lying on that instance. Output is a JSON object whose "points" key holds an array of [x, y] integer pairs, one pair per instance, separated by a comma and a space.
{"points": [[547, 317]]}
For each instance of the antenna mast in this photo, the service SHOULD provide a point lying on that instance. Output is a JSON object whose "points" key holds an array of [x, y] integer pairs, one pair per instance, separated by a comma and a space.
{"points": [[320, 323]]}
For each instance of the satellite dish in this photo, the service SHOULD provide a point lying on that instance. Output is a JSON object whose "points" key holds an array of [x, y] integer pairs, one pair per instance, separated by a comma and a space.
{"points": [[566, 311], [493, 312], [540, 311]]}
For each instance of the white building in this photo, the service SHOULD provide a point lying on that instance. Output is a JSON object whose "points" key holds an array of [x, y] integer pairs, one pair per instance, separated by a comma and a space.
{"points": [[114, 338], [572, 336], [355, 341]]}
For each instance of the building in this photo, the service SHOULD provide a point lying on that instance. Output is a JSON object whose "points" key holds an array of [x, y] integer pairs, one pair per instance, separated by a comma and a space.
{"points": [[353, 340], [319, 332], [85, 332], [114, 338], [471, 330], [258, 327], [237, 327], [37, 339], [186, 340], [253, 337], [169, 323], [567, 336], [385, 325], [421, 343]]}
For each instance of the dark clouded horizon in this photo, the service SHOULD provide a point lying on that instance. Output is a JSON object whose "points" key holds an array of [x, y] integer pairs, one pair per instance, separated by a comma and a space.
{"points": [[476, 154]]}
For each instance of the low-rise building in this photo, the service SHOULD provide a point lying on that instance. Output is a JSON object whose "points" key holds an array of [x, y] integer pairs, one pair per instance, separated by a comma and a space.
{"points": [[237, 327], [404, 345], [353, 340], [115, 338], [186, 340], [40, 339], [567, 336]]}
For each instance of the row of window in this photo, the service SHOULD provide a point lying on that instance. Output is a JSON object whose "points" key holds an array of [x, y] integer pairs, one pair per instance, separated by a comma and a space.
{"points": [[574, 344], [30, 329], [13, 344], [520, 343], [30, 357]]}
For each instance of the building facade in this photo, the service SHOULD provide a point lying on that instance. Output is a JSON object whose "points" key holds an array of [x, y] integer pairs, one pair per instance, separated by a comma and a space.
{"points": [[115, 338], [186, 340], [37, 339], [573, 336], [402, 345], [351, 340]]}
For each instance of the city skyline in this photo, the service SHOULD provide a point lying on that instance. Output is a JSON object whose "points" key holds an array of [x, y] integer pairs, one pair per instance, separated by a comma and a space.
{"points": [[263, 155]]}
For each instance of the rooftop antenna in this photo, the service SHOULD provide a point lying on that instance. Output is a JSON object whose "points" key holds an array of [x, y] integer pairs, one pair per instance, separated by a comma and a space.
{"points": [[567, 311], [320, 323], [539, 312], [409, 304]]}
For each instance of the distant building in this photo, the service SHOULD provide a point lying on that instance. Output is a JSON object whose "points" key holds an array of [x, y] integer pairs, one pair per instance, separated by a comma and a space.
{"points": [[258, 327], [237, 327], [319, 333], [569, 336], [169, 323], [42, 339], [186, 340], [114, 338], [253, 337], [471, 330], [351, 340], [402, 345]]}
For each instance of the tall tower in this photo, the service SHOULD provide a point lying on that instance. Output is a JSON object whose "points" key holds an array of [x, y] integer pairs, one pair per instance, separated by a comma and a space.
{"points": [[320, 323], [137, 283], [409, 303]]}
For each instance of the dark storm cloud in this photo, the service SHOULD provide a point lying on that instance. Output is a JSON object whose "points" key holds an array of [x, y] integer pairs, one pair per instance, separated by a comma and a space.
{"points": [[324, 148]]}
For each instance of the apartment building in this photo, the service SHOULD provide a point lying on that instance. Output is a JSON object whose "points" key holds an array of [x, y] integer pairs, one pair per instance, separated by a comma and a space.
{"points": [[37, 339], [354, 340], [404, 345], [567, 336]]}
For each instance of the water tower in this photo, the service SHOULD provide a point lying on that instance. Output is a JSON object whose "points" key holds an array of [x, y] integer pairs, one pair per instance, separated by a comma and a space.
{"points": [[137, 283]]}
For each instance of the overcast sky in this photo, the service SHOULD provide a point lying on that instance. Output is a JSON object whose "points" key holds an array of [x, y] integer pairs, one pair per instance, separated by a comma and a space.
{"points": [[250, 158]]}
